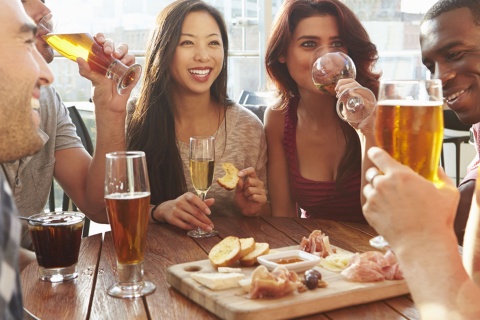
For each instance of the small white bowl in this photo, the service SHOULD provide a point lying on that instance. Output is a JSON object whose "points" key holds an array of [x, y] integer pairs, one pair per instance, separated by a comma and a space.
{"points": [[308, 260]]}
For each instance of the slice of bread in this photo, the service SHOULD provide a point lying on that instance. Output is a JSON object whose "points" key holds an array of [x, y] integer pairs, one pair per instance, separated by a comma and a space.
{"points": [[230, 179], [225, 253], [250, 259], [247, 245], [218, 281]]}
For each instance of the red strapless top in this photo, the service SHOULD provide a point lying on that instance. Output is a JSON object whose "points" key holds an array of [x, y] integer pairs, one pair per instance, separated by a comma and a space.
{"points": [[319, 199]]}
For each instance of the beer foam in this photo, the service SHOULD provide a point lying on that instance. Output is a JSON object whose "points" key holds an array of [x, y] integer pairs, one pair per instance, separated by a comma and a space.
{"points": [[409, 103]]}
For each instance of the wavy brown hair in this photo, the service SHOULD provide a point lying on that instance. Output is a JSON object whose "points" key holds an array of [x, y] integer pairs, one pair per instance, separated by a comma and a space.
{"points": [[152, 126], [354, 37]]}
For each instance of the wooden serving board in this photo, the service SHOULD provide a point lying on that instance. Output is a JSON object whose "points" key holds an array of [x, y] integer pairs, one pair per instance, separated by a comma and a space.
{"points": [[234, 304]]}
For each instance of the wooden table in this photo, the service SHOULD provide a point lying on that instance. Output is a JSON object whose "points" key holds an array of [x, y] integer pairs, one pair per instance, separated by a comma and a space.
{"points": [[86, 297]]}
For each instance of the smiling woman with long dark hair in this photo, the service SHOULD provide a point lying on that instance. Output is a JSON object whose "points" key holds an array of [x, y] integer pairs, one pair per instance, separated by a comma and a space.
{"points": [[184, 94]]}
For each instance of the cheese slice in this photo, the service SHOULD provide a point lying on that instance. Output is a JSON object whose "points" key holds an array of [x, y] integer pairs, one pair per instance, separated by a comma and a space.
{"points": [[229, 270], [218, 281]]}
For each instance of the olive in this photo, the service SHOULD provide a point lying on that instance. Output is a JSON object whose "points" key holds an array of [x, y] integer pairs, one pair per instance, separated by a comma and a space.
{"points": [[312, 276], [314, 271], [311, 280]]}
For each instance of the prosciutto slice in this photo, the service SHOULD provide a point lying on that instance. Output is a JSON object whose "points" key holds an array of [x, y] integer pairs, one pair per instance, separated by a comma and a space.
{"points": [[373, 266], [278, 283], [317, 243]]}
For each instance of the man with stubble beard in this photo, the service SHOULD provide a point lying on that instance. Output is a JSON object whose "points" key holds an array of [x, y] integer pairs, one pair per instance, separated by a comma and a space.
{"points": [[23, 72], [62, 155]]}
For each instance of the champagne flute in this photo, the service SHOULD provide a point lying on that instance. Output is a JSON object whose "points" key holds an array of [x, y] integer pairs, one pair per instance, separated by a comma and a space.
{"points": [[330, 65], [409, 126], [202, 165], [127, 199]]}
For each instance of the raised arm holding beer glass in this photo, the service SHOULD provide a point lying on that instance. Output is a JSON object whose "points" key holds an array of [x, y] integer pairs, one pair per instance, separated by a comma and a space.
{"points": [[127, 198], [409, 126]]}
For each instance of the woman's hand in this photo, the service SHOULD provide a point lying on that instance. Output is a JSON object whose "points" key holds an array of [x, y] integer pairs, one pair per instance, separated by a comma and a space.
{"points": [[250, 194], [187, 211], [367, 126]]}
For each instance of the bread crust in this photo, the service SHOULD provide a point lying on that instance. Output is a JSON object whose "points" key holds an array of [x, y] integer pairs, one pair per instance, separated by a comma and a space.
{"points": [[230, 179], [250, 259], [226, 252]]}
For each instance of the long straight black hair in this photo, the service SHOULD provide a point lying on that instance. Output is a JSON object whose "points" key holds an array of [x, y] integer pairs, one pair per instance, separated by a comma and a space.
{"points": [[152, 126]]}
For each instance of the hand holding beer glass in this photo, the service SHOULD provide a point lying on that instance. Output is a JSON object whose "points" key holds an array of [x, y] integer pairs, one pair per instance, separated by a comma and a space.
{"points": [[127, 198], [82, 45], [409, 126], [202, 166], [330, 65]]}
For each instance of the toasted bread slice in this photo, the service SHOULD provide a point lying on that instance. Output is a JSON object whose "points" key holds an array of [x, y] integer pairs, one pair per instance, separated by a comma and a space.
{"points": [[230, 179], [247, 245], [250, 259], [226, 252]]}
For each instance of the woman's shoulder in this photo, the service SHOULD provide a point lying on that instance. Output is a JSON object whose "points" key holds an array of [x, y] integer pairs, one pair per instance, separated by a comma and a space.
{"points": [[246, 115]]}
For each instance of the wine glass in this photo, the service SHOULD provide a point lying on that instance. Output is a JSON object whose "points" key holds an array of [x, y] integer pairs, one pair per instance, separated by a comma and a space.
{"points": [[330, 65], [127, 199], [409, 126], [202, 165]]}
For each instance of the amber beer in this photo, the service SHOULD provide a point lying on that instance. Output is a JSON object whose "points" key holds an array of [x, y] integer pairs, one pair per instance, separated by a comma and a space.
{"points": [[128, 217], [412, 133], [82, 45]]}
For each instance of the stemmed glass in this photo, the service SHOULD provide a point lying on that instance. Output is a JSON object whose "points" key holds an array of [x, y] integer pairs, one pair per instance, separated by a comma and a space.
{"points": [[82, 45], [330, 65], [127, 199], [409, 126], [202, 164]]}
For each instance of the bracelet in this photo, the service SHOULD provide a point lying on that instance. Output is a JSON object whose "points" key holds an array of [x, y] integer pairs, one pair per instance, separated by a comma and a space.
{"points": [[151, 214]]}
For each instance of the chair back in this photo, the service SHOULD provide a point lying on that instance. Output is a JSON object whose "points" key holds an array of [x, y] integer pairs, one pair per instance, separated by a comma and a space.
{"points": [[84, 135], [252, 98], [82, 130]]}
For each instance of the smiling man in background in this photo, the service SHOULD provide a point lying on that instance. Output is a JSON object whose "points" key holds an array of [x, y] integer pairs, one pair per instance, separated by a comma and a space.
{"points": [[23, 71], [450, 43]]}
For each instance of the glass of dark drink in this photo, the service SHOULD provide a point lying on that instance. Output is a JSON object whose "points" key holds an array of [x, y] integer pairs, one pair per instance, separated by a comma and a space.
{"points": [[127, 199], [82, 45], [56, 239]]}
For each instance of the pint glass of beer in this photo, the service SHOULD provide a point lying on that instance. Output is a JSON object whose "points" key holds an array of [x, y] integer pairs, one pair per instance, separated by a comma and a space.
{"points": [[127, 198], [82, 45], [409, 124]]}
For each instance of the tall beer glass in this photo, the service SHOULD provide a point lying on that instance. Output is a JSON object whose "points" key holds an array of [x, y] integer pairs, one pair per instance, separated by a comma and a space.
{"points": [[75, 45], [409, 125], [127, 198]]}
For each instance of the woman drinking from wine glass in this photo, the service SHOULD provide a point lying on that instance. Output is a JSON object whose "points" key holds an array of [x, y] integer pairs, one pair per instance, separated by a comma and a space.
{"points": [[184, 94], [315, 158]]}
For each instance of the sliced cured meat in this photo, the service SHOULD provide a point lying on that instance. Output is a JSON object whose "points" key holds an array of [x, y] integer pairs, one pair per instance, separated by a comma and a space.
{"points": [[317, 243], [373, 266], [278, 283]]}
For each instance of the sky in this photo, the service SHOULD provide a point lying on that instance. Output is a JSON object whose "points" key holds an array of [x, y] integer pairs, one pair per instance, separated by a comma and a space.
{"points": [[417, 6]]}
